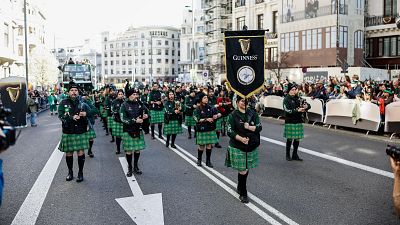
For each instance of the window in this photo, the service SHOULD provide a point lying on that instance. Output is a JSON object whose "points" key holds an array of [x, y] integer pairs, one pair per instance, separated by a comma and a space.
{"points": [[303, 40], [166, 61], [20, 50], [111, 54], [359, 39], [129, 53], [105, 63], [308, 40], [173, 52], [380, 53], [343, 37], [20, 30], [150, 61], [123, 44], [274, 21], [143, 52], [360, 7], [129, 62], [158, 70], [123, 62], [287, 42], [116, 62], [142, 71], [200, 29], [260, 21], [112, 62], [173, 61], [314, 39], [291, 41], [240, 23], [158, 60], [283, 42], [173, 71], [158, 42], [6, 35], [166, 71], [112, 71], [183, 31], [319, 38], [105, 47], [390, 7], [333, 37], [123, 53], [117, 45], [129, 44], [398, 45], [116, 54], [158, 51], [166, 43], [166, 51], [386, 46], [393, 46], [135, 43], [136, 52], [296, 41], [143, 61]]}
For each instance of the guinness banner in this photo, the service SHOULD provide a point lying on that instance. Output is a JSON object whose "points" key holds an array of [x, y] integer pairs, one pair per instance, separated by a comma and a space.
{"points": [[245, 61], [13, 94]]}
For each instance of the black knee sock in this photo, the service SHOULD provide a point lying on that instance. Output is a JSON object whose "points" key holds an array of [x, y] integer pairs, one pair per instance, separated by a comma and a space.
{"points": [[70, 161], [190, 130], [218, 134], [199, 154], [208, 154], [168, 138], [173, 139], [129, 160], [152, 130], [118, 142], [90, 145], [136, 156], [159, 129], [81, 162], [288, 145], [244, 184], [296, 144], [194, 128]]}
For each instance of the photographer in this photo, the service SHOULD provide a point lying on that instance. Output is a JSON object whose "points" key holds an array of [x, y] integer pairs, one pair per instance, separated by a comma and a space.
{"points": [[33, 106], [294, 109]]}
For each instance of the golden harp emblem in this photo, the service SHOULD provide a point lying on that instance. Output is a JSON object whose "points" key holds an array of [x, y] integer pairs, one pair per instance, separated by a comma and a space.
{"points": [[13, 92], [244, 45]]}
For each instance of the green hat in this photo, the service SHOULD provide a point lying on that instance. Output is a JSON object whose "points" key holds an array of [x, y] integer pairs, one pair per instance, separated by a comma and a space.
{"points": [[388, 91]]}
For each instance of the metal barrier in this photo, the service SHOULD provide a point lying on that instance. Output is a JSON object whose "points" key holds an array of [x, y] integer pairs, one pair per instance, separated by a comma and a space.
{"points": [[392, 118], [316, 112], [339, 112], [273, 105]]}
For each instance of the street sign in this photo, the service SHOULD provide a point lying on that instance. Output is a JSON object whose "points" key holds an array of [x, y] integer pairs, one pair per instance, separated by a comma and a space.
{"points": [[205, 74]]}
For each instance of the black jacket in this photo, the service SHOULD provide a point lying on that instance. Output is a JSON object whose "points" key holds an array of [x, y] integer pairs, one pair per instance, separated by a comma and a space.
{"points": [[291, 104]]}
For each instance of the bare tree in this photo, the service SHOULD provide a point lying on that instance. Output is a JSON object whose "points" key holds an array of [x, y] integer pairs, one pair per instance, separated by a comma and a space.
{"points": [[276, 66], [43, 68]]}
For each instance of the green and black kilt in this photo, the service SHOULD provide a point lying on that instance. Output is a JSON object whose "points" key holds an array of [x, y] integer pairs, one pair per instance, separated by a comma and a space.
{"points": [[239, 160], [206, 138], [74, 142], [189, 121], [103, 112], [293, 131], [225, 119], [173, 127], [91, 134], [218, 124], [133, 144], [156, 116], [117, 129], [110, 122]]}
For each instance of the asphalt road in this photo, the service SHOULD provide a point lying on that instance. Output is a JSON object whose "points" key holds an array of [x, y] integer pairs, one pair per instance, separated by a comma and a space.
{"points": [[316, 191]]}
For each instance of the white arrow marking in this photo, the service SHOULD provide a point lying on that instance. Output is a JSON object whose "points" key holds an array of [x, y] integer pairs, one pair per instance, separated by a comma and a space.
{"points": [[143, 209]]}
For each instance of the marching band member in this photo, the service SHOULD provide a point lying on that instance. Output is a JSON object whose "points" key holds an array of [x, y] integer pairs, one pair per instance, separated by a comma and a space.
{"points": [[173, 119], [156, 110], [117, 126]]}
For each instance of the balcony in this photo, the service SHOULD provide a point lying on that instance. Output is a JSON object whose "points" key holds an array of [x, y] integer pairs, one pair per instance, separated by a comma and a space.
{"points": [[259, 1], [380, 20], [271, 35], [313, 12], [240, 3]]}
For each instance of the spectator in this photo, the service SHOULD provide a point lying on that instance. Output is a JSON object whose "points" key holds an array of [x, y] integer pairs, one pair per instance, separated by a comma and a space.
{"points": [[33, 105]]}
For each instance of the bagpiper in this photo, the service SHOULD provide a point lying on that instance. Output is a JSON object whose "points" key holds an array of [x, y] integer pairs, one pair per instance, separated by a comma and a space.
{"points": [[72, 113], [117, 126], [225, 107], [144, 98], [294, 109], [132, 114], [173, 119], [108, 102], [244, 129], [190, 106], [156, 110], [91, 134], [205, 116], [212, 100]]}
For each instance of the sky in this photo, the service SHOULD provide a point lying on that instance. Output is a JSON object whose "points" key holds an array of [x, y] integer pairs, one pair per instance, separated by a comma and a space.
{"points": [[73, 21]]}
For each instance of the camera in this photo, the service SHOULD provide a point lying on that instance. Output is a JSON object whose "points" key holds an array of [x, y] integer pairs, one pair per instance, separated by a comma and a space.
{"points": [[393, 151], [8, 133]]}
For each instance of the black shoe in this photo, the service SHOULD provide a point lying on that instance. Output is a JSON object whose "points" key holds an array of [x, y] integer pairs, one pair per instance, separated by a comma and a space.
{"points": [[208, 163], [152, 138], [199, 162], [117, 152], [218, 145], [190, 137], [296, 158], [107, 134], [129, 173], [161, 137], [70, 176], [288, 158], [112, 140], [79, 178], [90, 154], [173, 146], [244, 199], [137, 171], [51, 113], [167, 144]]}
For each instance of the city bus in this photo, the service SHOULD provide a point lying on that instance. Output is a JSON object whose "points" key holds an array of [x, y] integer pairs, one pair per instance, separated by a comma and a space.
{"points": [[81, 74]]}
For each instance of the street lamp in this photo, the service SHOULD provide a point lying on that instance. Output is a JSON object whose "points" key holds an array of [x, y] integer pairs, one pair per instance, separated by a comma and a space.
{"points": [[192, 52], [26, 43]]}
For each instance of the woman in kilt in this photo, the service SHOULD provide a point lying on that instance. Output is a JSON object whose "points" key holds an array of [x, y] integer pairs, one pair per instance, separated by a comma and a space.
{"points": [[110, 120], [244, 132], [103, 109], [212, 100], [117, 126], [190, 105], [173, 119], [72, 113], [132, 114], [91, 135], [225, 108], [294, 110], [156, 110], [205, 116]]}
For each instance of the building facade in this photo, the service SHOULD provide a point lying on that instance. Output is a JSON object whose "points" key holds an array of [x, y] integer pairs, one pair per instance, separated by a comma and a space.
{"points": [[193, 46], [143, 54], [382, 46], [12, 51]]}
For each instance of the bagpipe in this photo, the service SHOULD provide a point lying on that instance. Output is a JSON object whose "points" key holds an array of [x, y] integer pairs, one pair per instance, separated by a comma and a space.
{"points": [[168, 116], [207, 126]]}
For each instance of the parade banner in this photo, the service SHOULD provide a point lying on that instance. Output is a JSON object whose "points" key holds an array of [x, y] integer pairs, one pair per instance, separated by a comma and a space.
{"points": [[13, 95], [245, 61]]}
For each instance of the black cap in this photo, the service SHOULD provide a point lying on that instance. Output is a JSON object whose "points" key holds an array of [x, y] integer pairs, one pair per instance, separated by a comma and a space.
{"points": [[291, 85], [72, 84]]}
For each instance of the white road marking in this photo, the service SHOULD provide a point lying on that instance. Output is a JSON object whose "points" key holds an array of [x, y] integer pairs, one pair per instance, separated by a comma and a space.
{"points": [[191, 160], [30, 208], [332, 158]]}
